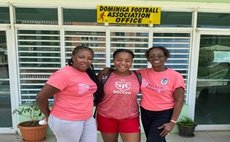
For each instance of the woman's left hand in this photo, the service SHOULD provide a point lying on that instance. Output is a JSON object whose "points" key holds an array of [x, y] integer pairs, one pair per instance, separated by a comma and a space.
{"points": [[167, 128]]}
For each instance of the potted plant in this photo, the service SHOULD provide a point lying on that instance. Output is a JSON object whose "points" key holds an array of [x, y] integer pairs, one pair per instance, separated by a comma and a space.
{"points": [[30, 129], [186, 127]]}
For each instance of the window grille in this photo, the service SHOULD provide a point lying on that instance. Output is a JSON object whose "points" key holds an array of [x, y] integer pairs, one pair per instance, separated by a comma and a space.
{"points": [[135, 41], [92, 39], [38, 57]]}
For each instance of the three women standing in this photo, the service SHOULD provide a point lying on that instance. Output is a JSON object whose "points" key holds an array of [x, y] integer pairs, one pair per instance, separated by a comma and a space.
{"points": [[71, 116]]}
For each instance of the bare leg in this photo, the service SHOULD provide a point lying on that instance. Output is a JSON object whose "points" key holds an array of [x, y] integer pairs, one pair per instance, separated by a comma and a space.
{"points": [[131, 137], [110, 137]]}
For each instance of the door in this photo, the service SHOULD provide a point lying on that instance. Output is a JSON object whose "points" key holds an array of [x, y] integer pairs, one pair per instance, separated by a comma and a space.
{"points": [[5, 97], [213, 81]]}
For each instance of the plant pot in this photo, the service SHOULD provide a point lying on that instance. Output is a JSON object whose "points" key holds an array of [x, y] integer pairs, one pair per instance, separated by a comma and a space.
{"points": [[32, 133], [186, 131]]}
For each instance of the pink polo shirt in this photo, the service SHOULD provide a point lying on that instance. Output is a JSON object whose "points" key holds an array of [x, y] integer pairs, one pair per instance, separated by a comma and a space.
{"points": [[158, 87], [75, 100]]}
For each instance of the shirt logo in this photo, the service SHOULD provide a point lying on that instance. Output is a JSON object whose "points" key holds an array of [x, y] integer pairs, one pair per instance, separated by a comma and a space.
{"points": [[122, 87], [155, 88], [83, 88], [164, 81]]}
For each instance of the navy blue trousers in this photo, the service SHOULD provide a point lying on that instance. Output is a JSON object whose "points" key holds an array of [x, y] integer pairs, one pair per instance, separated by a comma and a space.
{"points": [[151, 120]]}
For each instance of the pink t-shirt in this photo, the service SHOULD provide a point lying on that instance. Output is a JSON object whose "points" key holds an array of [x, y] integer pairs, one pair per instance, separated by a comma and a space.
{"points": [[120, 100], [158, 87], [75, 100]]}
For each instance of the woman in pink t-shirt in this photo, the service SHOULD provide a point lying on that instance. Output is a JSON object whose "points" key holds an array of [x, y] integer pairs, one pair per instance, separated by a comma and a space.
{"points": [[118, 113], [162, 95], [71, 118]]}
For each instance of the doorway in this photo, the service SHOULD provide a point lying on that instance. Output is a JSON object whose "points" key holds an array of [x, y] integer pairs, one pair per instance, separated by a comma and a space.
{"points": [[213, 81], [5, 97]]}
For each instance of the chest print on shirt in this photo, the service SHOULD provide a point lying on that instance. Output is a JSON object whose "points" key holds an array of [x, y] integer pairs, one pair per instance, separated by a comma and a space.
{"points": [[82, 88], [122, 88], [164, 81], [155, 88]]}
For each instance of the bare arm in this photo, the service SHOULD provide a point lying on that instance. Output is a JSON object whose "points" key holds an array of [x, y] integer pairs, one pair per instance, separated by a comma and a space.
{"points": [[179, 99], [43, 96], [179, 102], [104, 71]]}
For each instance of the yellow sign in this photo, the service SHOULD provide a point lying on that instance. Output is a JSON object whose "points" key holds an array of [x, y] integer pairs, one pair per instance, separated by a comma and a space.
{"points": [[128, 15]]}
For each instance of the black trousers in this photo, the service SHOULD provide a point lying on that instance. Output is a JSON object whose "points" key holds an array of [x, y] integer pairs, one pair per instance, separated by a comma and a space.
{"points": [[151, 120]]}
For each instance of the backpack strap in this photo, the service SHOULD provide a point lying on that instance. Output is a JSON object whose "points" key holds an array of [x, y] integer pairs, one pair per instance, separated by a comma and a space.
{"points": [[102, 82], [105, 77], [139, 77]]}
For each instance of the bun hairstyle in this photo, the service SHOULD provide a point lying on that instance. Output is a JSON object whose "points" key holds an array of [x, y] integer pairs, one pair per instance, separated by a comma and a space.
{"points": [[77, 50]]}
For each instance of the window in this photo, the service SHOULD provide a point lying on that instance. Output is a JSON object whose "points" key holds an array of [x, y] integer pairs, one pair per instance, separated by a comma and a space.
{"points": [[46, 16], [39, 56], [213, 20], [92, 39], [4, 15], [178, 45], [80, 16], [176, 19], [135, 41]]}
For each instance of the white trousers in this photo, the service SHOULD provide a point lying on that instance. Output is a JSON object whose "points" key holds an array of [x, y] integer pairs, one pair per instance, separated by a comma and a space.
{"points": [[73, 131]]}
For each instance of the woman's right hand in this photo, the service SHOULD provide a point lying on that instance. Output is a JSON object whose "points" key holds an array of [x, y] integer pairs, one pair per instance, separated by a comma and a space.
{"points": [[44, 121]]}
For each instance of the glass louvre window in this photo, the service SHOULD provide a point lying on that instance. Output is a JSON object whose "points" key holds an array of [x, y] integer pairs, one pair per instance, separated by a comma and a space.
{"points": [[5, 99], [178, 45], [175, 19], [135, 41], [213, 20], [4, 15], [39, 56], [46, 16], [92, 39], [80, 16], [213, 80]]}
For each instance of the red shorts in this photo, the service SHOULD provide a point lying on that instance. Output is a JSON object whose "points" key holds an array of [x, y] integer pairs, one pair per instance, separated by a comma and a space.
{"points": [[109, 125]]}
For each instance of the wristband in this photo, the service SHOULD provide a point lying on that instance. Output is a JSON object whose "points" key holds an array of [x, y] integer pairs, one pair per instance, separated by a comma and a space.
{"points": [[173, 121]]}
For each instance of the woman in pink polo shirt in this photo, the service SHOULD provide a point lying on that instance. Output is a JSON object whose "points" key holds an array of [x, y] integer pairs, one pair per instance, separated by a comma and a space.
{"points": [[162, 95], [71, 118]]}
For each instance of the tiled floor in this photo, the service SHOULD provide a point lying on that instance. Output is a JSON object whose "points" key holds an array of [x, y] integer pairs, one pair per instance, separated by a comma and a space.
{"points": [[203, 136]]}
